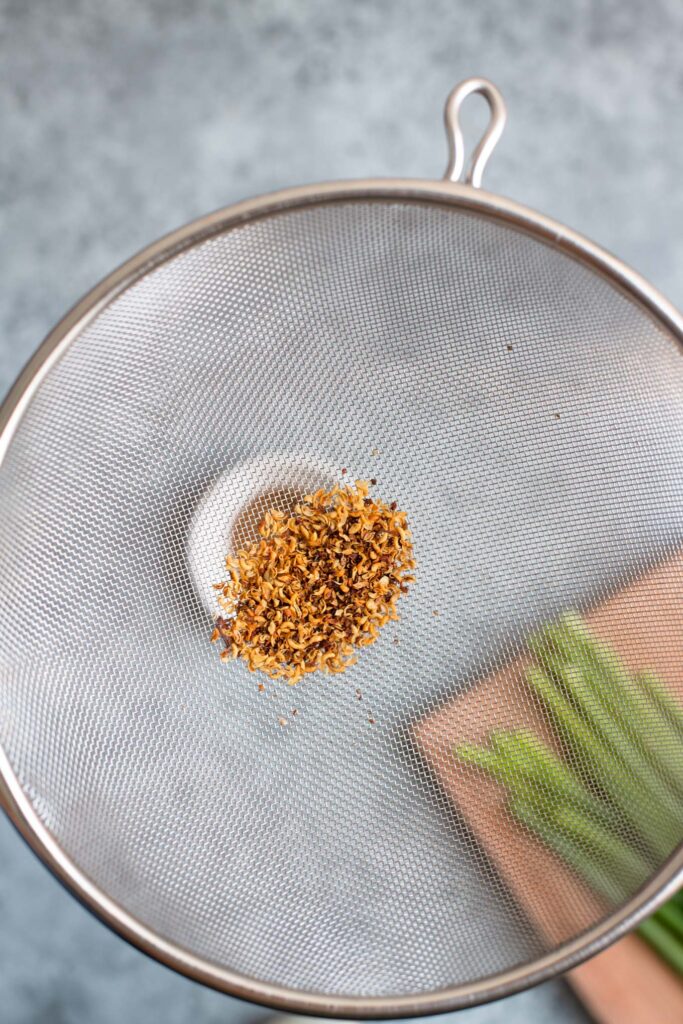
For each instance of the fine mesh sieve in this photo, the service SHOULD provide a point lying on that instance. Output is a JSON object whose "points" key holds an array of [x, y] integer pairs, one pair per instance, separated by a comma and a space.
{"points": [[515, 389]]}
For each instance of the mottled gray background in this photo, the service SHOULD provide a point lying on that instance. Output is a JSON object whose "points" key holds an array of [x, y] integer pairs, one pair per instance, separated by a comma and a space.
{"points": [[120, 121]]}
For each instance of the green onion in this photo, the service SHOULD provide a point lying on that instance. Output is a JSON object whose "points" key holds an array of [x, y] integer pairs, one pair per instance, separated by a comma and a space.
{"points": [[663, 942], [671, 915], [570, 850], [523, 749], [645, 730], [589, 696], [585, 748], [653, 689], [612, 806]]}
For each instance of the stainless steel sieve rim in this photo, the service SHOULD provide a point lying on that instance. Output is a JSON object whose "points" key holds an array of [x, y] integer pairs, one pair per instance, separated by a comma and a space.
{"points": [[451, 192]]}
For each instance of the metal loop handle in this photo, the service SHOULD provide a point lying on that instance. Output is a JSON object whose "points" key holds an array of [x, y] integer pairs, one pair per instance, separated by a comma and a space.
{"points": [[456, 142]]}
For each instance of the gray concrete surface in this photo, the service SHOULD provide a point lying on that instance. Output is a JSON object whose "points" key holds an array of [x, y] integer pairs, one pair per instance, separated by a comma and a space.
{"points": [[121, 121]]}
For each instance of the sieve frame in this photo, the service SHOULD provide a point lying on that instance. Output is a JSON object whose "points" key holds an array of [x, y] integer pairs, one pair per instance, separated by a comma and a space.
{"points": [[15, 802]]}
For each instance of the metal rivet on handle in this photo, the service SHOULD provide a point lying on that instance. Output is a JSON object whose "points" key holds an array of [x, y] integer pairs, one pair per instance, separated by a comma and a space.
{"points": [[456, 142]]}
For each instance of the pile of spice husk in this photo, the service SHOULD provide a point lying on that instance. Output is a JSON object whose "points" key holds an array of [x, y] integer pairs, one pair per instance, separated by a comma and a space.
{"points": [[610, 805], [318, 585]]}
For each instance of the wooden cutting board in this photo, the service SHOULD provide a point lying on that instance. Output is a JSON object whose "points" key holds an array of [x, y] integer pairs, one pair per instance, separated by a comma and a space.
{"points": [[626, 984]]}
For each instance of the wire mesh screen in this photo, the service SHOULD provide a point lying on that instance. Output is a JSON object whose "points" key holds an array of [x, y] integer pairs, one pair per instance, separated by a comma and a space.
{"points": [[526, 414]]}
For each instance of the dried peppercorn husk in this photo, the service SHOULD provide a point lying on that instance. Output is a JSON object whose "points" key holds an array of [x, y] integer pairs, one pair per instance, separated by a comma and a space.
{"points": [[318, 585]]}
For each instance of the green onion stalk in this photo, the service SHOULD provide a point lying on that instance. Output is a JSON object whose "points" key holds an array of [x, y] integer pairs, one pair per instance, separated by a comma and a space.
{"points": [[611, 805]]}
